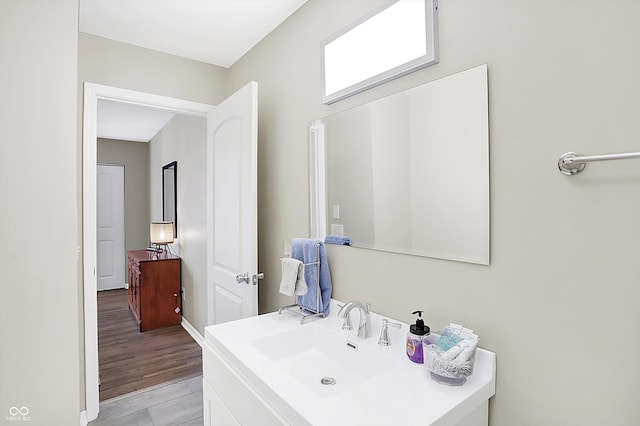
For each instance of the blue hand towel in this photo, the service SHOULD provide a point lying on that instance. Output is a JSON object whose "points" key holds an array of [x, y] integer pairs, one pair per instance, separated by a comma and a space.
{"points": [[338, 240], [306, 251]]}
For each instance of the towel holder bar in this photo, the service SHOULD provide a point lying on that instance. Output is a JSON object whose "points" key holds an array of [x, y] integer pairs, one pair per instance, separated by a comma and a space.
{"points": [[305, 312], [305, 264], [572, 163]]}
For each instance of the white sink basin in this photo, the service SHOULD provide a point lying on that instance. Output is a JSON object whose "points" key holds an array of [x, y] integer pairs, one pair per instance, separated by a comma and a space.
{"points": [[337, 363], [284, 362]]}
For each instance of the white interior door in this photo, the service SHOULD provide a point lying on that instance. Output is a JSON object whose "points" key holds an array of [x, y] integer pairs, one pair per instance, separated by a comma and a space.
{"points": [[110, 267], [232, 230]]}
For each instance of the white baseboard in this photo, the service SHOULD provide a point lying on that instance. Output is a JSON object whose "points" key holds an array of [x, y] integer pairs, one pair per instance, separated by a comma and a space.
{"points": [[83, 418], [192, 331]]}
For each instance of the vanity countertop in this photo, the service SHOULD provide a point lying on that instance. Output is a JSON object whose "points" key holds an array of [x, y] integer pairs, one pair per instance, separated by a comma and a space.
{"points": [[284, 362]]}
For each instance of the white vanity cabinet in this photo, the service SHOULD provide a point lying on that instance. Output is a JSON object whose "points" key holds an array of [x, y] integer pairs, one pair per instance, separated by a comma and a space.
{"points": [[271, 370], [229, 399]]}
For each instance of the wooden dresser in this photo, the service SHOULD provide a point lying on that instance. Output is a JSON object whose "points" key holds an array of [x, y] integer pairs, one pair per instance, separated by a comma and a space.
{"points": [[154, 289]]}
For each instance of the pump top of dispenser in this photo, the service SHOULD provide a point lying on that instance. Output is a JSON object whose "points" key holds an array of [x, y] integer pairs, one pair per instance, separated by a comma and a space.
{"points": [[419, 328]]}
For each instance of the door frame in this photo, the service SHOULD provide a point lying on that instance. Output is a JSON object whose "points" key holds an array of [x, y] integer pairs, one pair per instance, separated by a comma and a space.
{"points": [[92, 93]]}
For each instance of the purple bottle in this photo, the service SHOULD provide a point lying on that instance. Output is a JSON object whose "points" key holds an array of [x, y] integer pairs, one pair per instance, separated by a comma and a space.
{"points": [[416, 337]]}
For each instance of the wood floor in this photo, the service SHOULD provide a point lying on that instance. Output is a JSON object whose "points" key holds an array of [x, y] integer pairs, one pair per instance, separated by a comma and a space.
{"points": [[130, 360]]}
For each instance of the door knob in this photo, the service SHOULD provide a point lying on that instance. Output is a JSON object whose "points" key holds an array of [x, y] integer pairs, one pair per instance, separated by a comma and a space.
{"points": [[243, 278], [258, 276]]}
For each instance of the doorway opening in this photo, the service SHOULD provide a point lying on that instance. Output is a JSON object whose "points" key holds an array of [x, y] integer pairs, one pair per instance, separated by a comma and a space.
{"points": [[93, 93]]}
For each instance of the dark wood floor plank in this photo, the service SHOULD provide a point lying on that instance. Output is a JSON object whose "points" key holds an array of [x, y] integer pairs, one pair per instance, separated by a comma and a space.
{"points": [[130, 360]]}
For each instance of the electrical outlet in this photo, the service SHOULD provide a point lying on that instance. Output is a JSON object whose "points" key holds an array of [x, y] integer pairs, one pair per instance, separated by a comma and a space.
{"points": [[337, 229], [184, 294]]}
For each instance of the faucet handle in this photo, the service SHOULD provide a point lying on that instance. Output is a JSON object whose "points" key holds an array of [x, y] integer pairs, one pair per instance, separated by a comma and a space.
{"points": [[347, 325], [384, 339], [344, 313]]}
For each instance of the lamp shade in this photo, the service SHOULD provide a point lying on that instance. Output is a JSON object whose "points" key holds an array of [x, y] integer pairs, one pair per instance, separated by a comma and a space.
{"points": [[161, 232]]}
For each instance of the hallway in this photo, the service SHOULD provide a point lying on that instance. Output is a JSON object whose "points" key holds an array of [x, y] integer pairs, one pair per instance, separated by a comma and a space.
{"points": [[130, 360]]}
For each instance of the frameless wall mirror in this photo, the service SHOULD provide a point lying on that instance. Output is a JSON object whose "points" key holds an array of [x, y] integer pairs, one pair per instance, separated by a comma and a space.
{"points": [[389, 43], [408, 173], [169, 195]]}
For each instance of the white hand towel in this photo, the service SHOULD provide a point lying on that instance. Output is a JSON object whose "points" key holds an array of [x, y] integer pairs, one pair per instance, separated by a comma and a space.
{"points": [[293, 281]]}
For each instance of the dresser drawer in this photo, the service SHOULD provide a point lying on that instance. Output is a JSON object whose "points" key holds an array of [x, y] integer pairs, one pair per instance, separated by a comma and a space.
{"points": [[154, 289]]}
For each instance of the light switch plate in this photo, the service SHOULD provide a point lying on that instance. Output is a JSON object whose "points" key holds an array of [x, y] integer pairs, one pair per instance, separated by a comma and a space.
{"points": [[337, 229]]}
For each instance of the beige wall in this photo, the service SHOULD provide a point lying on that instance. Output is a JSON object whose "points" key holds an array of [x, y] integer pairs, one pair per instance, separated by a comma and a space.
{"points": [[134, 156], [126, 66], [183, 139], [563, 76], [39, 348]]}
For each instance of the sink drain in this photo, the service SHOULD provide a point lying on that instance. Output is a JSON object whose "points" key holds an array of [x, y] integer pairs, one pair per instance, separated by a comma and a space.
{"points": [[328, 381]]}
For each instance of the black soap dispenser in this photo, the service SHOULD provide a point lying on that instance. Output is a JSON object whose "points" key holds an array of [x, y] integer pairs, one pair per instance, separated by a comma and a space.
{"points": [[416, 338]]}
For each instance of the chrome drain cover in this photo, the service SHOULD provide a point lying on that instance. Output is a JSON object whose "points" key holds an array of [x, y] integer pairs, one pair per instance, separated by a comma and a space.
{"points": [[328, 381]]}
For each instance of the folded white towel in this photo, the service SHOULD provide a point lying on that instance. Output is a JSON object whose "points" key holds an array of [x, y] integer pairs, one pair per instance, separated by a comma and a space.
{"points": [[293, 281]]}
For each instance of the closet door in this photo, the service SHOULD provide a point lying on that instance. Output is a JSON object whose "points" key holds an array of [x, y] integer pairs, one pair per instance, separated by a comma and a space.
{"points": [[110, 268]]}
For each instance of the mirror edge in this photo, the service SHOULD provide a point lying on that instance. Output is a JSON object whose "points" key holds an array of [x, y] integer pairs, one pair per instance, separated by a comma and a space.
{"points": [[172, 165], [317, 181]]}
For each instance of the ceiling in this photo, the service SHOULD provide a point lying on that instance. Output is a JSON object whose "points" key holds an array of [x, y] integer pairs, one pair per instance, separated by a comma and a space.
{"points": [[217, 32], [121, 121]]}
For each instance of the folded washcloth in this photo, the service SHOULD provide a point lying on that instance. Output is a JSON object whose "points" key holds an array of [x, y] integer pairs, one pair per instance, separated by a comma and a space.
{"points": [[306, 251], [338, 240], [292, 277]]}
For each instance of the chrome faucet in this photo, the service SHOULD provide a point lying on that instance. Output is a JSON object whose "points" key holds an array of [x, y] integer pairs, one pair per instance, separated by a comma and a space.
{"points": [[384, 339], [364, 328]]}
